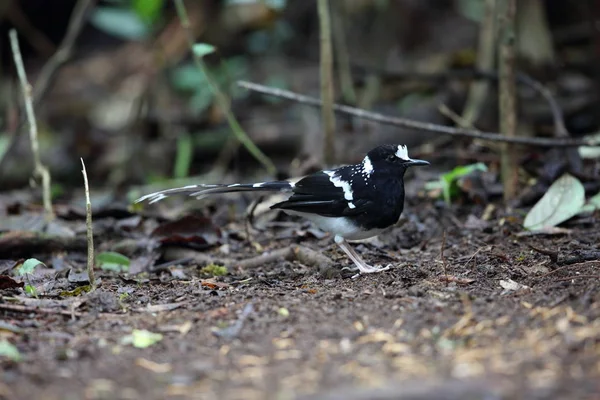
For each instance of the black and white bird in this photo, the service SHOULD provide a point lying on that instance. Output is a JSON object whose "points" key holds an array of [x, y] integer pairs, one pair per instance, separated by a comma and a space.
{"points": [[353, 202]]}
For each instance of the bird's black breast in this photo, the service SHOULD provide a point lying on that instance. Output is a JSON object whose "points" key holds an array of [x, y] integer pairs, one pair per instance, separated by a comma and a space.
{"points": [[385, 202]]}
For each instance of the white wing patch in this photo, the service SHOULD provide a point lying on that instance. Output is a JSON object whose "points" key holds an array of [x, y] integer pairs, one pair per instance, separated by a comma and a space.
{"points": [[367, 165], [337, 182], [402, 152]]}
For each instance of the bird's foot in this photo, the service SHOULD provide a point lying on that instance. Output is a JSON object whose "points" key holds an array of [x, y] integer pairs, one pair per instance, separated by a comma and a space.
{"points": [[366, 269]]}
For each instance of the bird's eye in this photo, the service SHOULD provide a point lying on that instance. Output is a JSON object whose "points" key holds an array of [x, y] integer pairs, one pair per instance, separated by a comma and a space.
{"points": [[391, 158]]}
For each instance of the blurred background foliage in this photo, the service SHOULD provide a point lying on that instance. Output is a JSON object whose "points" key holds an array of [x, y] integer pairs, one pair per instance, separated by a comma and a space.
{"points": [[131, 102]]}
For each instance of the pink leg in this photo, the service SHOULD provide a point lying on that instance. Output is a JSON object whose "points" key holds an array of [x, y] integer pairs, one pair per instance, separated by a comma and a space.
{"points": [[361, 265]]}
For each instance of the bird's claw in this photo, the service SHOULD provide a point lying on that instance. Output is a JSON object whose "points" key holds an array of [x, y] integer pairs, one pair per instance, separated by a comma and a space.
{"points": [[367, 269]]}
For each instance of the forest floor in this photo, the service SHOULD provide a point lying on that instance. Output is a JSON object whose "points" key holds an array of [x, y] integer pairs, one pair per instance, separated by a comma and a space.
{"points": [[472, 313]]}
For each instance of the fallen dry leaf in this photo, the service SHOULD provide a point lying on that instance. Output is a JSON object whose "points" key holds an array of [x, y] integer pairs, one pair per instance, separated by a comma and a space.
{"points": [[155, 367], [511, 285], [212, 284], [455, 279], [6, 282]]}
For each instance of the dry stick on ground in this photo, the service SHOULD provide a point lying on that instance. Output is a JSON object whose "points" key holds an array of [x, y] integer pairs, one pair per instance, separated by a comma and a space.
{"points": [[327, 114], [23, 244], [90, 230], [418, 125], [571, 266], [220, 97], [443, 257], [39, 169], [302, 254], [39, 310], [572, 278], [507, 98], [61, 55]]}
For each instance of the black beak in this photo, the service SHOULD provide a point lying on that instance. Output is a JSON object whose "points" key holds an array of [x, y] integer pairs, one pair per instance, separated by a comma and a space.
{"points": [[417, 162]]}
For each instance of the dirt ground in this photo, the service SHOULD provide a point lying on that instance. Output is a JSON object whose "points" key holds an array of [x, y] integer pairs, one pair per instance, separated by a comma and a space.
{"points": [[475, 313]]}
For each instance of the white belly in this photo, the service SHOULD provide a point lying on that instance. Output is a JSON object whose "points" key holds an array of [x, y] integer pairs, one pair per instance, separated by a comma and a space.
{"points": [[338, 226]]}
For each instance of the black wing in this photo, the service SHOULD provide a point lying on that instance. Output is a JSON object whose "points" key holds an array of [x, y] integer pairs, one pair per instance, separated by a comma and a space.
{"points": [[316, 194]]}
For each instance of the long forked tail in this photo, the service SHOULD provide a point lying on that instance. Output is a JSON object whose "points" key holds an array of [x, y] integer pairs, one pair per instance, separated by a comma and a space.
{"points": [[199, 191]]}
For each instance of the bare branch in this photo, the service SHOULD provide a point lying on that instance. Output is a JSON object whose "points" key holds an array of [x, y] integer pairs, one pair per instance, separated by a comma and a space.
{"points": [[90, 230], [418, 125], [63, 53], [507, 97], [327, 114], [220, 97], [39, 169]]}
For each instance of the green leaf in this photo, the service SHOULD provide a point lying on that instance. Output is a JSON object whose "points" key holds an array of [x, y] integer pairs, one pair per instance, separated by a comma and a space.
{"points": [[183, 159], [28, 266], [148, 10], [448, 180], [142, 338], [203, 49], [563, 200], [31, 291], [119, 22], [9, 351], [592, 205], [112, 261]]}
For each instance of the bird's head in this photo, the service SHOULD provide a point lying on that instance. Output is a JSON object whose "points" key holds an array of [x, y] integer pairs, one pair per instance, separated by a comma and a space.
{"points": [[390, 157]]}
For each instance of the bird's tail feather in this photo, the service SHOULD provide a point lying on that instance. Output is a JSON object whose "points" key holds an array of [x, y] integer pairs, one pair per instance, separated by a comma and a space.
{"points": [[200, 191]]}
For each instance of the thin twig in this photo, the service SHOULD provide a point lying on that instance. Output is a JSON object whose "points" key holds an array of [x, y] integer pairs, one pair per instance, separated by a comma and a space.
{"points": [[63, 53], [36, 37], [472, 257], [454, 117], [570, 278], [39, 310], [90, 230], [507, 97], [443, 257], [327, 114], [418, 125], [39, 169], [485, 61], [341, 53], [220, 97], [571, 266], [560, 129], [298, 253], [547, 252], [48, 71]]}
